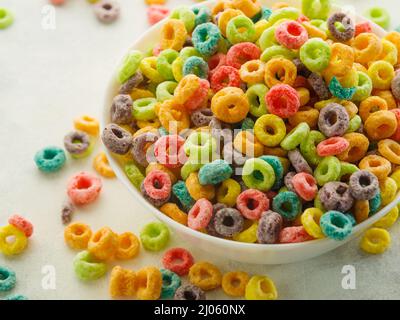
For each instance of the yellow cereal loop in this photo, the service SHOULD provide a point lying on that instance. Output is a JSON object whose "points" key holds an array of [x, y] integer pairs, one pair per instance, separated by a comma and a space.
{"points": [[387, 96], [148, 283], [310, 221], [148, 66], [228, 192], [367, 47], [270, 130], [87, 124], [102, 166], [155, 123], [304, 95], [394, 37], [173, 117], [234, 283], [173, 35], [370, 105], [225, 17], [396, 177], [172, 210], [248, 235], [261, 288], [103, 244], [128, 246], [388, 220], [205, 275], [280, 71], [246, 143], [230, 105], [77, 235], [16, 245], [375, 241], [390, 150], [313, 31], [138, 93], [388, 189], [389, 52], [198, 191], [122, 282], [381, 73]]}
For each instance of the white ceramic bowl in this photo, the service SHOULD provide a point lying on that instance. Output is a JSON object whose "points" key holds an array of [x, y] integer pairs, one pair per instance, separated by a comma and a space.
{"points": [[244, 252]]}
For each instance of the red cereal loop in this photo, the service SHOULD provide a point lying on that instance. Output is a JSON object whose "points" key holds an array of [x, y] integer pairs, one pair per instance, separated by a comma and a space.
{"points": [[22, 224], [291, 34], [225, 76], [178, 260], [156, 13], [282, 100], [157, 184], [305, 185], [200, 214], [199, 97], [332, 146], [169, 151], [252, 203], [293, 235], [363, 27], [241, 53], [84, 188], [396, 135], [216, 61]]}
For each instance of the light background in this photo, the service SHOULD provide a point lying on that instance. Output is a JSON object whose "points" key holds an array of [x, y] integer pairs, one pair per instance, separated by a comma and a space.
{"points": [[49, 77]]}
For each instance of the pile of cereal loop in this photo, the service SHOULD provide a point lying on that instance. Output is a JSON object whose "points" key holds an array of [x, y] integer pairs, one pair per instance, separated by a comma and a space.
{"points": [[263, 125]]}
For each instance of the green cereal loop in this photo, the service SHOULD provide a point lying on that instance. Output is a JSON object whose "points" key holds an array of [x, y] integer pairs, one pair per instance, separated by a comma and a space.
{"points": [[327, 170], [189, 167], [378, 15], [287, 204], [215, 172], [134, 175], [8, 279], [186, 15], [363, 88], [50, 159], [129, 65], [154, 236], [188, 52], [256, 96], [258, 174], [200, 145], [87, 268], [181, 193], [165, 90], [354, 124], [295, 136], [278, 52], [276, 164], [315, 54], [164, 63], [318, 204], [143, 109], [6, 18], [267, 38], [88, 151], [15, 297], [308, 147], [316, 9], [347, 168], [284, 13], [248, 124], [239, 22]]}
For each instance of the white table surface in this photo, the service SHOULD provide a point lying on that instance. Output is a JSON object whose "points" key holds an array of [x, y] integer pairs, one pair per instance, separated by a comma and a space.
{"points": [[48, 77]]}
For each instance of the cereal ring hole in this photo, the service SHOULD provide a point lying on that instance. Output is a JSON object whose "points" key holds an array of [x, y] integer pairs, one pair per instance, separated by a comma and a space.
{"points": [[228, 221], [84, 183], [338, 222], [364, 181], [125, 243], [10, 239], [341, 190], [375, 13], [117, 133], [252, 204], [107, 6], [294, 30], [331, 118], [49, 154], [189, 295]]}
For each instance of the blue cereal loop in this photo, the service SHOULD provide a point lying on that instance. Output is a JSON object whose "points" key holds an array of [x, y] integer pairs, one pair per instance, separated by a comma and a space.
{"points": [[181, 192], [170, 283], [205, 38], [196, 65], [50, 159], [375, 204], [336, 225], [340, 92], [7, 279], [202, 13], [16, 297], [276, 164], [215, 172], [287, 204]]}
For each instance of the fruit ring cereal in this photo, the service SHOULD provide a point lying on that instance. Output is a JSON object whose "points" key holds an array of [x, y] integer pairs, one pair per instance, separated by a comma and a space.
{"points": [[84, 188], [205, 275], [189, 292], [7, 279], [50, 159]]}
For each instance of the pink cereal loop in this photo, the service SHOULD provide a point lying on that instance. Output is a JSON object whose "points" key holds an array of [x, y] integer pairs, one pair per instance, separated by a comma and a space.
{"points": [[200, 214], [291, 34], [156, 13], [199, 97], [252, 203], [22, 224], [84, 188], [293, 235], [169, 151], [157, 184], [305, 185], [332, 146]]}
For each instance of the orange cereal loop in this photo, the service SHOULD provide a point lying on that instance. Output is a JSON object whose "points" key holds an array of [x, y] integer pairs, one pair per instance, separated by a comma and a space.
{"points": [[280, 71], [158, 166], [103, 244], [390, 150], [150, 2], [350, 107], [305, 114], [173, 35], [358, 147], [370, 105], [342, 59], [394, 37], [387, 96], [77, 235], [275, 151], [205, 275], [173, 117], [225, 17], [230, 105], [128, 246], [367, 47], [361, 210], [186, 88], [304, 95], [249, 7], [198, 191], [87, 124], [172, 210], [138, 93], [234, 283], [377, 165], [246, 143], [221, 6], [148, 283], [102, 166], [122, 282], [380, 125]]}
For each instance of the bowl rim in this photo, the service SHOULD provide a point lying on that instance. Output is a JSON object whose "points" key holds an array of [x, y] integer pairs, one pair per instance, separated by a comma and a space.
{"points": [[279, 247]]}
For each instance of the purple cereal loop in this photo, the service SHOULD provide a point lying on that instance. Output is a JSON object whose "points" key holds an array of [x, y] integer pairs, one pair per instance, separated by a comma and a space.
{"points": [[319, 86], [107, 10], [336, 196], [269, 227], [189, 292], [228, 222], [116, 139], [155, 202], [121, 109], [288, 181], [232, 156], [210, 227], [132, 83], [333, 120], [346, 21], [202, 117], [298, 162], [67, 211], [364, 185], [301, 68], [76, 142], [138, 147]]}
